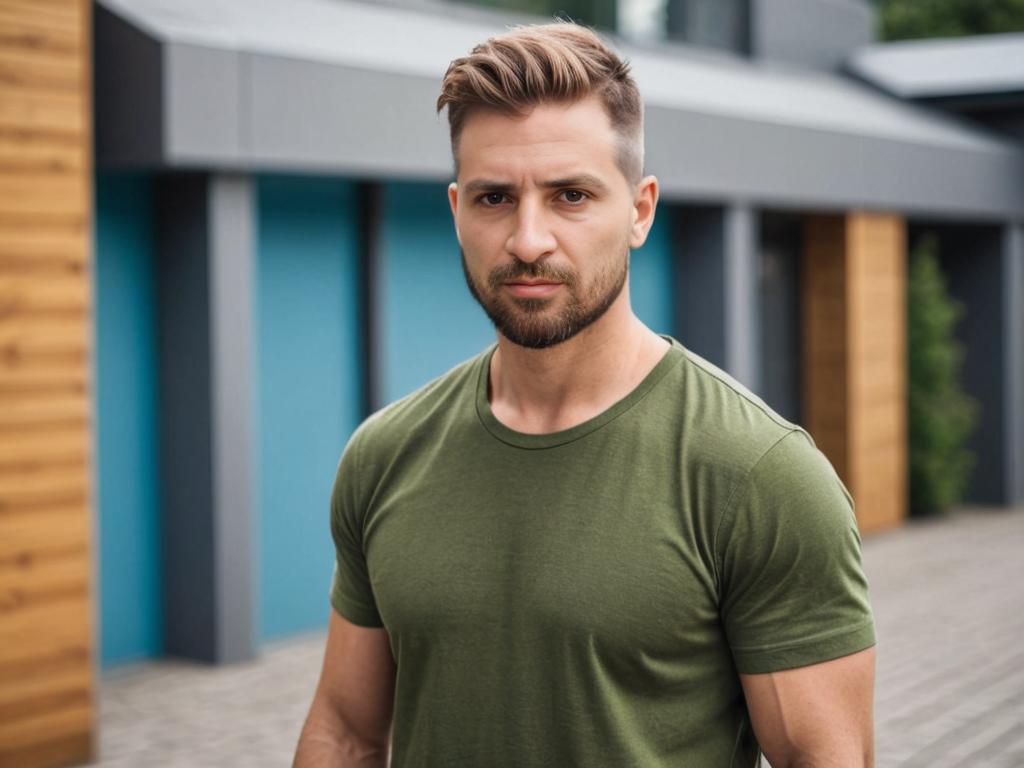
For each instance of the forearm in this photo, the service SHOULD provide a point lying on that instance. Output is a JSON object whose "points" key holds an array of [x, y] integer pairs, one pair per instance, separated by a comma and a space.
{"points": [[327, 743], [851, 759]]}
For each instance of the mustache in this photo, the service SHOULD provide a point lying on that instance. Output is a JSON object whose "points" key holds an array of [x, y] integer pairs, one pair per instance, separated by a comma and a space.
{"points": [[537, 270]]}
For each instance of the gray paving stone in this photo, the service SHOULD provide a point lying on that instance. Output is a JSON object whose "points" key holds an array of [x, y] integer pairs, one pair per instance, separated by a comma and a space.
{"points": [[948, 596]]}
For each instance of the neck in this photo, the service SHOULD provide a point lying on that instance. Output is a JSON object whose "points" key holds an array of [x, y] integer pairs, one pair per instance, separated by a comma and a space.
{"points": [[548, 390]]}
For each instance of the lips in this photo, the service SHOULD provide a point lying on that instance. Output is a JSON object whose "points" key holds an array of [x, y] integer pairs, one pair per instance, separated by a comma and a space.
{"points": [[532, 289]]}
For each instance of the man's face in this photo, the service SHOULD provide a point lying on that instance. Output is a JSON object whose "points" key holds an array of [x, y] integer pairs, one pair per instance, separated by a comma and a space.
{"points": [[545, 219]]}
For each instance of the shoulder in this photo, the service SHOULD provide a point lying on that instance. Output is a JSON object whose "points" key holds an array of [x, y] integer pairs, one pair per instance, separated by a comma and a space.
{"points": [[739, 446], [420, 415], [725, 422]]}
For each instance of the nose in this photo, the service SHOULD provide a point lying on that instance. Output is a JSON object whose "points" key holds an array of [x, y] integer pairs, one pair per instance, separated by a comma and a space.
{"points": [[531, 238]]}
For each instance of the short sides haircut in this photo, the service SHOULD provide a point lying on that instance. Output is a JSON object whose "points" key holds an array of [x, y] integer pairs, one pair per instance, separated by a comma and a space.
{"points": [[561, 62]]}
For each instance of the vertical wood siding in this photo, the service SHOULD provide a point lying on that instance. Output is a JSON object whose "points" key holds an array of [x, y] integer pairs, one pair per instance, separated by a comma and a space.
{"points": [[46, 667], [854, 339]]}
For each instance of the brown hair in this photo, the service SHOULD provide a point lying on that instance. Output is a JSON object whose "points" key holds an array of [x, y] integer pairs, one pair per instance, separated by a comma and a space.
{"points": [[531, 65]]}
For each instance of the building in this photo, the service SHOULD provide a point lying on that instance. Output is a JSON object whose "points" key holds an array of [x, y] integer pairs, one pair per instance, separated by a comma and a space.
{"points": [[258, 253]]}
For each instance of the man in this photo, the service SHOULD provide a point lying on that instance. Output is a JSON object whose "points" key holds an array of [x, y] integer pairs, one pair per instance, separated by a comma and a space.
{"points": [[586, 546]]}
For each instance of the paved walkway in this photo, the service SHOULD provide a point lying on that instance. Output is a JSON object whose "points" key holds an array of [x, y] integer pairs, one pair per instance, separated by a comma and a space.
{"points": [[949, 604]]}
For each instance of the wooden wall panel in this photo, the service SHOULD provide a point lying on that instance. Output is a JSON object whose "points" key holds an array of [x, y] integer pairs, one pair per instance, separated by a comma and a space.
{"points": [[854, 348], [46, 553]]}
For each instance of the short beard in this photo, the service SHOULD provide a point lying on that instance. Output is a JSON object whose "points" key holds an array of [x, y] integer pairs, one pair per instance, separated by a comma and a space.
{"points": [[522, 323]]}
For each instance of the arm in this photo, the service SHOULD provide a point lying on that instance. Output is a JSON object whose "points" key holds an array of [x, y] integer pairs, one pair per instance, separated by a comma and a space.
{"points": [[819, 716], [349, 721]]}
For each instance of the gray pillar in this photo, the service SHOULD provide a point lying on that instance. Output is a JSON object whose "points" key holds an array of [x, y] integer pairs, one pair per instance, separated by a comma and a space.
{"points": [[742, 263], [206, 265], [717, 296], [1013, 321]]}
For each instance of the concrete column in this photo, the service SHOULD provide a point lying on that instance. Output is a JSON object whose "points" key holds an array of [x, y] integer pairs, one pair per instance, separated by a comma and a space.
{"points": [[206, 265], [742, 264], [717, 287]]}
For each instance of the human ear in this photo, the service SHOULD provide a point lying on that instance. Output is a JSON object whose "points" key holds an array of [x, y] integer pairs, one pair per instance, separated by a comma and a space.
{"points": [[644, 203], [453, 203]]}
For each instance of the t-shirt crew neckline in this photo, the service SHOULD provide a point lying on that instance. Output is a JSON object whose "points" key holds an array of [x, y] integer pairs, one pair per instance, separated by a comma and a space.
{"points": [[672, 357]]}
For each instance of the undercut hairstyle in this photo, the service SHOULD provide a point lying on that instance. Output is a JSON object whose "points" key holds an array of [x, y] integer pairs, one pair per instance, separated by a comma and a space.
{"points": [[561, 62]]}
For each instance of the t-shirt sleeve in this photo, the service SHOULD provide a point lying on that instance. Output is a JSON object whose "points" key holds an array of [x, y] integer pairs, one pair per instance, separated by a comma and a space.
{"points": [[793, 590], [351, 592]]}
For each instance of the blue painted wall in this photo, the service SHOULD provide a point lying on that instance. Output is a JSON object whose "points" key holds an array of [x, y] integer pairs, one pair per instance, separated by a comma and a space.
{"points": [[126, 420], [429, 320], [650, 275], [308, 397]]}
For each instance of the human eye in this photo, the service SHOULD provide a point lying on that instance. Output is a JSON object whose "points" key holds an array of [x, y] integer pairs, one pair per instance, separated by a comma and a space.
{"points": [[491, 199], [573, 196]]}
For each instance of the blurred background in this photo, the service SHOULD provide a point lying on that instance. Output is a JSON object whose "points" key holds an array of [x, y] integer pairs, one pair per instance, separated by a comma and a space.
{"points": [[224, 240]]}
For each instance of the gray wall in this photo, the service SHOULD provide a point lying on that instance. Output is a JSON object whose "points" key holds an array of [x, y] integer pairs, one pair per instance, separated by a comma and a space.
{"points": [[811, 33]]}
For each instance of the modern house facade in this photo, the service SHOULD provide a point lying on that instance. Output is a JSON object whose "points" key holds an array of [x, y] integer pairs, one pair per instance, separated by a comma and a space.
{"points": [[266, 256]]}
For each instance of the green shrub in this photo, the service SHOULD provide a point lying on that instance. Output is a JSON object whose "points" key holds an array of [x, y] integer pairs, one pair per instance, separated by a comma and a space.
{"points": [[941, 416]]}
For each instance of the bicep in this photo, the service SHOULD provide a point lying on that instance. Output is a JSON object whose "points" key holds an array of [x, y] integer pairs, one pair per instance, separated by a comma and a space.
{"points": [[357, 680], [823, 711]]}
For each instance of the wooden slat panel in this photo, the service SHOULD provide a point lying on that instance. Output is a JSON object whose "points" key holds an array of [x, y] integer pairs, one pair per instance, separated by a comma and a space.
{"points": [[24, 151], [46, 669], [55, 487], [56, 446], [74, 716], [33, 536], [824, 342], [40, 71], [68, 379], [35, 25], [66, 617], [43, 412], [53, 752], [66, 240], [32, 296], [34, 193], [59, 653], [35, 111], [42, 337], [39, 581], [877, 368]]}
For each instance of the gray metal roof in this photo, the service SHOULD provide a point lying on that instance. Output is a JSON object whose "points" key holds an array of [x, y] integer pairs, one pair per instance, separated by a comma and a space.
{"points": [[966, 66], [340, 86]]}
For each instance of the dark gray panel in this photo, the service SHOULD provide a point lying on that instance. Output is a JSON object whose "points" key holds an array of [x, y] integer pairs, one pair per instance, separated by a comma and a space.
{"points": [[781, 243], [811, 33], [702, 157], [1013, 321], [700, 281], [128, 96], [369, 221], [186, 461], [971, 258]]}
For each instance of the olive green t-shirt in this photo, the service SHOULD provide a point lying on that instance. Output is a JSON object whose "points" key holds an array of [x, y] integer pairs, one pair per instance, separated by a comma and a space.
{"points": [[587, 597]]}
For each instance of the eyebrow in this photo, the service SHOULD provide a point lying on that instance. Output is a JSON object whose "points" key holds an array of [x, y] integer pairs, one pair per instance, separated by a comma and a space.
{"points": [[580, 180]]}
